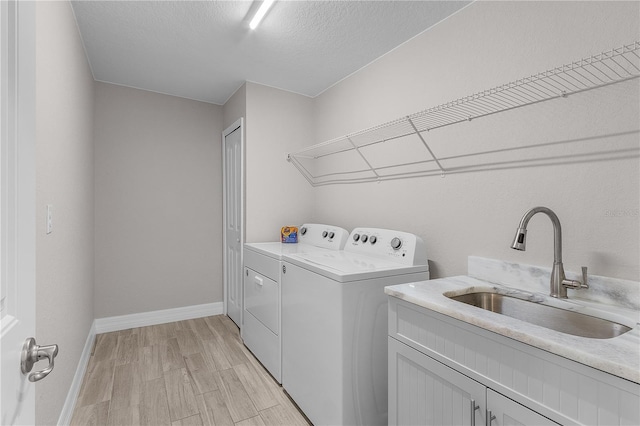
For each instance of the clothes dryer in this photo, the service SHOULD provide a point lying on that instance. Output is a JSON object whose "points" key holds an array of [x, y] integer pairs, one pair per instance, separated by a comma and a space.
{"points": [[261, 329], [334, 324]]}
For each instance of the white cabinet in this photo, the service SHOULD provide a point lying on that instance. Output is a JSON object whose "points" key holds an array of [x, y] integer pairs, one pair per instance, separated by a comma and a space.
{"points": [[423, 391], [438, 365]]}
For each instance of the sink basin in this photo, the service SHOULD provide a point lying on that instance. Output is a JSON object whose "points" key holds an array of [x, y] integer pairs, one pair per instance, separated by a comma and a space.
{"points": [[557, 319]]}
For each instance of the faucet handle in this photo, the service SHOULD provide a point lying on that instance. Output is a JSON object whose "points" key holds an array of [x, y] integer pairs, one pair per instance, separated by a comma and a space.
{"points": [[585, 280], [575, 284]]}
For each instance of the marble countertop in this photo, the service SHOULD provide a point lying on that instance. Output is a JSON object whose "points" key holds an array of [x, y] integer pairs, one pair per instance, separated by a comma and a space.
{"points": [[619, 356]]}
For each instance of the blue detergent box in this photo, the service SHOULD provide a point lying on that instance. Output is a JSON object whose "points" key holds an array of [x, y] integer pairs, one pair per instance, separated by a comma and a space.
{"points": [[289, 234]]}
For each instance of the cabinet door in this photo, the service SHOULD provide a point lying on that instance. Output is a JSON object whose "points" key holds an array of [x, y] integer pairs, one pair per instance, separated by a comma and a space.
{"points": [[510, 413], [423, 391]]}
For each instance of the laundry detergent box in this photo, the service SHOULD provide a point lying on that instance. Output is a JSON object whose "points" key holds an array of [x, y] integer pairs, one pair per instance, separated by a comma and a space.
{"points": [[289, 234]]}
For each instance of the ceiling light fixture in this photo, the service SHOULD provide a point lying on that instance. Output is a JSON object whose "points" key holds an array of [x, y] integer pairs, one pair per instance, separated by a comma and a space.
{"points": [[262, 10]]}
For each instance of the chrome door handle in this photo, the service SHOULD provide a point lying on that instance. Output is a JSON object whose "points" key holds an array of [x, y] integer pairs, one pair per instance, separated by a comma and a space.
{"points": [[490, 417], [474, 407], [32, 353]]}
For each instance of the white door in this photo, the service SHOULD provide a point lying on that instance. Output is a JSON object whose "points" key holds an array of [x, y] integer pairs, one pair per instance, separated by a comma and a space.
{"points": [[233, 218], [17, 207]]}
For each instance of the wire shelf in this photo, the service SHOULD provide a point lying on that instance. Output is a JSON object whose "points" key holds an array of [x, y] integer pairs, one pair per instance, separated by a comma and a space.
{"points": [[332, 162]]}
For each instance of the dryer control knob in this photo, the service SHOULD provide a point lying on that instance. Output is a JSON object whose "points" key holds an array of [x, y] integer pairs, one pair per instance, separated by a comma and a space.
{"points": [[303, 230], [356, 237], [364, 238], [396, 243], [324, 234], [331, 235], [373, 239]]}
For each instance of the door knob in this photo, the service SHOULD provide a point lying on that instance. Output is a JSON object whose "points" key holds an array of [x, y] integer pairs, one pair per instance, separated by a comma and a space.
{"points": [[32, 353]]}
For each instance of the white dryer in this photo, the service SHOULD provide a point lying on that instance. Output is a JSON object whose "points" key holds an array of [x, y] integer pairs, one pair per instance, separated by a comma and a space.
{"points": [[261, 295], [334, 324]]}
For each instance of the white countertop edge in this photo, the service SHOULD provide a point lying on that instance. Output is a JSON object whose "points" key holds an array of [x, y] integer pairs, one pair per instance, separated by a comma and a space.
{"points": [[619, 356]]}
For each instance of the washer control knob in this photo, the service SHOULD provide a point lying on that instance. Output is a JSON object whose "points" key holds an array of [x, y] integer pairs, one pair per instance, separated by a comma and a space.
{"points": [[324, 234], [356, 237], [303, 230], [396, 243], [364, 238], [332, 234], [373, 239]]}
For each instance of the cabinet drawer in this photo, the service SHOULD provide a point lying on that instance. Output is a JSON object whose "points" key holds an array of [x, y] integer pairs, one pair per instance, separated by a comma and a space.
{"points": [[262, 264], [261, 298]]}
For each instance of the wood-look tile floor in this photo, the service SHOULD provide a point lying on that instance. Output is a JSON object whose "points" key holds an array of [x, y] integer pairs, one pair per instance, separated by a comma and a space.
{"points": [[193, 372]]}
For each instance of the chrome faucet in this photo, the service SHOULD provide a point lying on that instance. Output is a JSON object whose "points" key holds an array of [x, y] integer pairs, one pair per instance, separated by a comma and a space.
{"points": [[559, 282]]}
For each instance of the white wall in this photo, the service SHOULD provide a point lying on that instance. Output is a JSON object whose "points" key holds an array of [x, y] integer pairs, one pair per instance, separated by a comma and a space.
{"points": [[278, 122], [64, 179], [158, 186], [235, 107], [482, 46]]}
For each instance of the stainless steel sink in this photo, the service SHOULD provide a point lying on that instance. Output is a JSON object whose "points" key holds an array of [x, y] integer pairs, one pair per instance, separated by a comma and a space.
{"points": [[557, 319]]}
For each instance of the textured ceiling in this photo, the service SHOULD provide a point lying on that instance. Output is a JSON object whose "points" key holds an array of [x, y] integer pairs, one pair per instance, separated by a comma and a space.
{"points": [[204, 50]]}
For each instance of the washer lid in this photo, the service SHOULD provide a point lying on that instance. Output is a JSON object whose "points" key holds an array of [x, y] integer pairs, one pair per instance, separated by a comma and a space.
{"points": [[344, 266]]}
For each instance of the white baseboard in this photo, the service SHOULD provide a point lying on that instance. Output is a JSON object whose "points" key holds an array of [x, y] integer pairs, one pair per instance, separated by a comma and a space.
{"points": [[124, 322], [74, 389]]}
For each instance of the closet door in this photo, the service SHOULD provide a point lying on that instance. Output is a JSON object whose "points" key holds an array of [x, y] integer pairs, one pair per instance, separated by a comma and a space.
{"points": [[233, 194]]}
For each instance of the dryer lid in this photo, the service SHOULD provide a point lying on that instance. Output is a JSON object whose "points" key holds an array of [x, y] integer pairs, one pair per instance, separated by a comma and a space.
{"points": [[277, 250]]}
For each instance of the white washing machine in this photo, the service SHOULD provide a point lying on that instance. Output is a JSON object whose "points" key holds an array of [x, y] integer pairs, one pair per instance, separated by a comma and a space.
{"points": [[334, 324], [262, 269]]}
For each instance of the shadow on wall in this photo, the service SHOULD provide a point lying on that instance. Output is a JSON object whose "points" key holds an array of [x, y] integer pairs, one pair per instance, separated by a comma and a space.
{"points": [[593, 149]]}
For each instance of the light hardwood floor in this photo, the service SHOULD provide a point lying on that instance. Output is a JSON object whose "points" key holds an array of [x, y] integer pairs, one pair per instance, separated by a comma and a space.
{"points": [[194, 372]]}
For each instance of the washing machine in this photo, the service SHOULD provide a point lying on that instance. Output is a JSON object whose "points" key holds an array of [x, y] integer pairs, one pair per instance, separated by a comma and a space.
{"points": [[261, 330], [334, 324]]}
